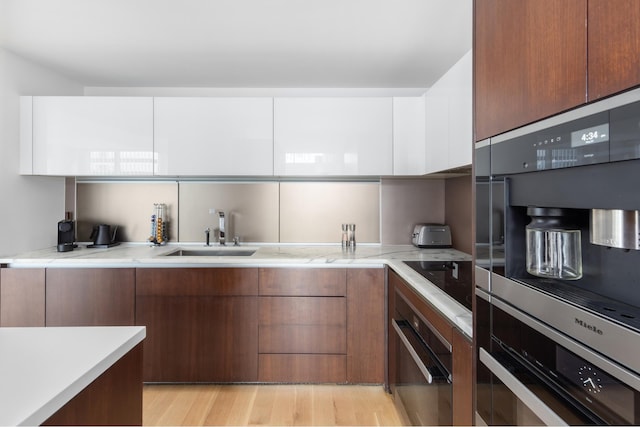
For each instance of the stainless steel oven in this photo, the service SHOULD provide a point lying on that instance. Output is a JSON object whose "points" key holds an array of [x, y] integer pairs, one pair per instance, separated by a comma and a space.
{"points": [[558, 348], [422, 389], [533, 374]]}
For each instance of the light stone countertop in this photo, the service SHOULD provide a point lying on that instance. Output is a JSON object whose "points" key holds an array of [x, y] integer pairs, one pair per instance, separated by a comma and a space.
{"points": [[140, 255], [41, 369]]}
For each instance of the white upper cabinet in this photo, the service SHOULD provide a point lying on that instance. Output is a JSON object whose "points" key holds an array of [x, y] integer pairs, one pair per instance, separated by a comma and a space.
{"points": [[214, 136], [449, 137], [333, 136], [408, 136], [90, 136]]}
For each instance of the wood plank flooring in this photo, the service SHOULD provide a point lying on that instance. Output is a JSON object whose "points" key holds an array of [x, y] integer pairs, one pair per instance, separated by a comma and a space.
{"points": [[268, 405]]}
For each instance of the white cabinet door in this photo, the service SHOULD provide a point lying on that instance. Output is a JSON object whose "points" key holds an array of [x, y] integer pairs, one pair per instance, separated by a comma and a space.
{"points": [[214, 136], [437, 129], [449, 118], [333, 136], [409, 136], [461, 113], [92, 136]]}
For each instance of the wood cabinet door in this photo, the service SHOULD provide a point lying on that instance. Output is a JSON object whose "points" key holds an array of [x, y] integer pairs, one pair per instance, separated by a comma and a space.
{"points": [[365, 325], [614, 46], [90, 296], [201, 324], [311, 325], [22, 296], [199, 339], [530, 61], [462, 380]]}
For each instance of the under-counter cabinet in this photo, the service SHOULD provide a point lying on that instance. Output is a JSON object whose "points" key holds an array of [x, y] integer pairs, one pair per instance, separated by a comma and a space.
{"points": [[302, 325], [22, 297], [213, 136], [201, 324], [86, 136], [333, 136], [321, 325], [90, 296]]}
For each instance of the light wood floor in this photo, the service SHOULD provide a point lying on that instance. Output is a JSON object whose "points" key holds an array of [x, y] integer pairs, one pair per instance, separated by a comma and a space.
{"points": [[268, 405]]}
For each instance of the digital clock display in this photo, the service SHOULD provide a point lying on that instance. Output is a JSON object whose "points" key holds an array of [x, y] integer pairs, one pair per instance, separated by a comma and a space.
{"points": [[590, 135]]}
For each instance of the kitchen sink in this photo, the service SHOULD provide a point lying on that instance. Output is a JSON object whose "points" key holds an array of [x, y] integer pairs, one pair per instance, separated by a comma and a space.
{"points": [[212, 252]]}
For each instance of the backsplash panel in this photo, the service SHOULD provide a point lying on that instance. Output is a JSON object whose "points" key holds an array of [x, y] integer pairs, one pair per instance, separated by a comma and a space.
{"points": [[275, 211], [127, 205], [251, 210], [314, 211], [406, 202]]}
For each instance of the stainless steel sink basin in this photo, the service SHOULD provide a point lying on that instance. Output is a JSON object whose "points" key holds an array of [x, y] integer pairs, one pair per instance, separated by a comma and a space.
{"points": [[212, 252]]}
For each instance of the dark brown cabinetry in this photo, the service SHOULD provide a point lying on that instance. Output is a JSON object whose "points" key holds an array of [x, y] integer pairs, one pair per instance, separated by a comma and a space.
{"points": [[201, 324], [302, 325], [537, 58], [461, 348], [22, 296], [530, 61], [462, 380], [365, 325], [322, 325], [614, 46], [90, 296]]}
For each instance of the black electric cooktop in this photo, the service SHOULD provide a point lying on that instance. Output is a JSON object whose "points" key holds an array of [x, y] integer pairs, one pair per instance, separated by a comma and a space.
{"points": [[453, 277]]}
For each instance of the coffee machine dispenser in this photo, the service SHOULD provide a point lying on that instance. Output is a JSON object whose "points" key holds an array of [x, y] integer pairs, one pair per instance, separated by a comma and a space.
{"points": [[66, 235], [571, 204]]}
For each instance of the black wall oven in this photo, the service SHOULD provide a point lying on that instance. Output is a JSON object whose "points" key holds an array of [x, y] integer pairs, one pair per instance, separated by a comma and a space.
{"points": [[557, 280], [422, 387]]}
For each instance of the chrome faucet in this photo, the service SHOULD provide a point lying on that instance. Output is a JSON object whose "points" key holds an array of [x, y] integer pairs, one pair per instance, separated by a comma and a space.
{"points": [[222, 229]]}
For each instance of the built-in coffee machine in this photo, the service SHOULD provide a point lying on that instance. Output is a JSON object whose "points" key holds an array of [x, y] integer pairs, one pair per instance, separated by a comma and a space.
{"points": [[557, 268]]}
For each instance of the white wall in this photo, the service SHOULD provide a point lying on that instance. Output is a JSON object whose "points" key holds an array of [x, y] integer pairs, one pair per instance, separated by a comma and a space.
{"points": [[30, 207]]}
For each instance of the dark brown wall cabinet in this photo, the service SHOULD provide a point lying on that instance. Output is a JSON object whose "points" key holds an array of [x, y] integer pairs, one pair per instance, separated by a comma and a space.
{"points": [[201, 324], [537, 58], [530, 61], [462, 355], [90, 296], [614, 46]]}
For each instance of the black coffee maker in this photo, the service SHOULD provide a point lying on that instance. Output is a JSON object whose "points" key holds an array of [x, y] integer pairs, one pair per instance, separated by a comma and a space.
{"points": [[66, 235]]}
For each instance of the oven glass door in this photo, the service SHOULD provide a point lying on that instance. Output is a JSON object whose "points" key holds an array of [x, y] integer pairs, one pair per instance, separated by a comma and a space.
{"points": [[521, 398], [423, 391]]}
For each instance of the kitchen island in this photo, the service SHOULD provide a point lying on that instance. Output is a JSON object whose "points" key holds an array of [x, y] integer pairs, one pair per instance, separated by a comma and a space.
{"points": [[71, 375]]}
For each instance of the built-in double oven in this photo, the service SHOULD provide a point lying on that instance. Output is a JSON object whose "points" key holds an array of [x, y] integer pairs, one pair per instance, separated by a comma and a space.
{"points": [[557, 269]]}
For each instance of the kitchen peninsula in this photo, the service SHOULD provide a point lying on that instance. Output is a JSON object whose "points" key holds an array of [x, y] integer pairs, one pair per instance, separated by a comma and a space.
{"points": [[67, 376]]}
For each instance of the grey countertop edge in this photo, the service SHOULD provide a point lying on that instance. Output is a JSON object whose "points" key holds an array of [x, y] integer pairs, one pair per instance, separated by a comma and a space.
{"points": [[274, 255]]}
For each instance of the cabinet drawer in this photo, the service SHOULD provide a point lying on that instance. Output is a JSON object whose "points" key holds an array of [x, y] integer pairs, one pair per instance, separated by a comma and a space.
{"points": [[302, 368], [303, 281], [89, 297], [302, 325], [197, 281]]}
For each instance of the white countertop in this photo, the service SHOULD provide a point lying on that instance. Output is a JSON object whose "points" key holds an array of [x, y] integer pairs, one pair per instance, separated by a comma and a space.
{"points": [[267, 255], [41, 369]]}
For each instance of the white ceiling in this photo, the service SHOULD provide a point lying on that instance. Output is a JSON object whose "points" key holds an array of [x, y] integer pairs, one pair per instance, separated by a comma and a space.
{"points": [[241, 43]]}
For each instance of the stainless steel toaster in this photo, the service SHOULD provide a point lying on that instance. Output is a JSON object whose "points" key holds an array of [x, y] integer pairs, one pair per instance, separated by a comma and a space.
{"points": [[431, 236]]}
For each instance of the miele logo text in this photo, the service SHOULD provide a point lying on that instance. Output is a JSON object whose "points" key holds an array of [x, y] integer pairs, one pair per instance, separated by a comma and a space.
{"points": [[589, 327]]}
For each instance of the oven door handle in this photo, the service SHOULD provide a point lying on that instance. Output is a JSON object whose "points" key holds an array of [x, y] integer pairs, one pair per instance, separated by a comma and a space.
{"points": [[527, 397], [423, 368]]}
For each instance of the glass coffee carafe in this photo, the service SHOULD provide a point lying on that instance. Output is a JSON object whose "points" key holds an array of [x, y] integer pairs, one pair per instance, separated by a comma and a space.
{"points": [[553, 244]]}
